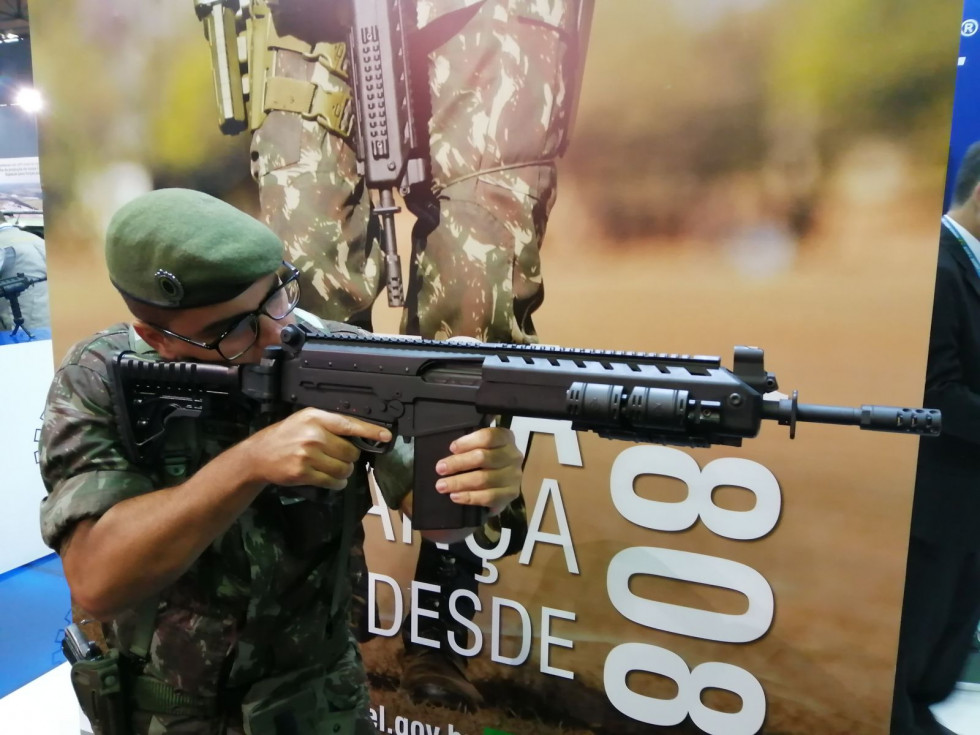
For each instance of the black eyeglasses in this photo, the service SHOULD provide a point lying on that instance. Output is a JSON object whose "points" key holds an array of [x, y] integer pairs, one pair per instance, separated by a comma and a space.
{"points": [[241, 334]]}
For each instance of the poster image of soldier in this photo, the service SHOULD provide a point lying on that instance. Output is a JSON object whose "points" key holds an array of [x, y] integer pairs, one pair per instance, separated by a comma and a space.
{"points": [[23, 269], [344, 109], [23, 291], [739, 173]]}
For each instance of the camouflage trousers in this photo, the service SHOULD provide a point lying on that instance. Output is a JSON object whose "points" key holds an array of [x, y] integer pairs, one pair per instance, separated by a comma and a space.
{"points": [[343, 687], [498, 87]]}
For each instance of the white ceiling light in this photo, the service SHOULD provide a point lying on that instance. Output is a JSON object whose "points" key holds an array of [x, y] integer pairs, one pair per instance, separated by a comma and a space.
{"points": [[29, 98]]}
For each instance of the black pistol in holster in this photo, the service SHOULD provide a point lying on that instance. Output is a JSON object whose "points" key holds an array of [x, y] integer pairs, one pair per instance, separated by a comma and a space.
{"points": [[97, 681]]}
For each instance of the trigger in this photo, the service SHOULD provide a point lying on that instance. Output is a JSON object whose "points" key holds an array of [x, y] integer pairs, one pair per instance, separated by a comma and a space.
{"points": [[371, 445]]}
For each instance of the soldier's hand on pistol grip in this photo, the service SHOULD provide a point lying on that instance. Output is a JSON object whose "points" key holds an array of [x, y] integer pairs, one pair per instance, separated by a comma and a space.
{"points": [[309, 447]]}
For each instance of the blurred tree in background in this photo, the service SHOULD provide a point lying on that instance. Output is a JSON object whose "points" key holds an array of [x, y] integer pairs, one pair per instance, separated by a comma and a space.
{"points": [[869, 67], [701, 116], [130, 107]]}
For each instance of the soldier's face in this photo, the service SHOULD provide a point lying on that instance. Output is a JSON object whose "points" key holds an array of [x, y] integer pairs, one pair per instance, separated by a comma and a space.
{"points": [[206, 324]]}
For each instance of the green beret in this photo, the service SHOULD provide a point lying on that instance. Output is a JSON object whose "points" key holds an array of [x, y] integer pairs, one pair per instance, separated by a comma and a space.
{"points": [[177, 249]]}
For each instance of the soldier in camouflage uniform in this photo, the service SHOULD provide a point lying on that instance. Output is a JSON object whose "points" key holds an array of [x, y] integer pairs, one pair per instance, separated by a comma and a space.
{"points": [[219, 567], [496, 79], [23, 252]]}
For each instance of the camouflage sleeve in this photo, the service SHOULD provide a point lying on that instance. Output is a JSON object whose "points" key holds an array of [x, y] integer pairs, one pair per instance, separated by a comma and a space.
{"points": [[393, 471], [83, 466], [513, 517]]}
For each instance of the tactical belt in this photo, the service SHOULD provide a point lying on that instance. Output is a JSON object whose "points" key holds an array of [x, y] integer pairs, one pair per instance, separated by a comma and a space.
{"points": [[149, 694], [152, 695]]}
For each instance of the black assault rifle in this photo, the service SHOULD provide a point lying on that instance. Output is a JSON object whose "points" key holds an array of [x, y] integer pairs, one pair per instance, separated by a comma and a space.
{"points": [[389, 147], [437, 391], [11, 288]]}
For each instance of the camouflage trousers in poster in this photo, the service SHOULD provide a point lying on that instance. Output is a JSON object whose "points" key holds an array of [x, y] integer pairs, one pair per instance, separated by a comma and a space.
{"points": [[498, 86]]}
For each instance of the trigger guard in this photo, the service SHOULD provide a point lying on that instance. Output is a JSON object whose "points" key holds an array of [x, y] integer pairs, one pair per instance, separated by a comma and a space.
{"points": [[370, 445]]}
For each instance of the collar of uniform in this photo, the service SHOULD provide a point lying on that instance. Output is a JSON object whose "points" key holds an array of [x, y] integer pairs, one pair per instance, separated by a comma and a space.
{"points": [[968, 238]]}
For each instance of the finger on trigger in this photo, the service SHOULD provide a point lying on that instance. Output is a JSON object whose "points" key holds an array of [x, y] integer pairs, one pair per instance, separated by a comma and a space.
{"points": [[367, 430], [345, 425]]}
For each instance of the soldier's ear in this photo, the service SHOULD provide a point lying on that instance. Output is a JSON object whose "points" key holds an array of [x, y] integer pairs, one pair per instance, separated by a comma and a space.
{"points": [[157, 340]]}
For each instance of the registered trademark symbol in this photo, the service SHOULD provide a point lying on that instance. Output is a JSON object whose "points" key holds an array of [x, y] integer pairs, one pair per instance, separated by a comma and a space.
{"points": [[969, 27]]}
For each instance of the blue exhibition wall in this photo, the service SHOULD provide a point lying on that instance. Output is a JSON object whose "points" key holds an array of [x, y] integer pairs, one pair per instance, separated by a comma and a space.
{"points": [[966, 116], [34, 609]]}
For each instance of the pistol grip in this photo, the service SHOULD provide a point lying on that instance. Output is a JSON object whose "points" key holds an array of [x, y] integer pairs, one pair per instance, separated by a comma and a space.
{"points": [[431, 509]]}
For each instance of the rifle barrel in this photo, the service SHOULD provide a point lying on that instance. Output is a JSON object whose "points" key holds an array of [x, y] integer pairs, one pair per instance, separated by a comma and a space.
{"points": [[920, 421]]}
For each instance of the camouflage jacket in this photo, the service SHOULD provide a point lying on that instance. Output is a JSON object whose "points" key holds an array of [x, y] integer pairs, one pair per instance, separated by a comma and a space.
{"points": [[263, 599]]}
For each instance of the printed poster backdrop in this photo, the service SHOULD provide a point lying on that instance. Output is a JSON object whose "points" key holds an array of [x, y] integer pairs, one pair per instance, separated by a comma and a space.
{"points": [[25, 346], [966, 125], [766, 173]]}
